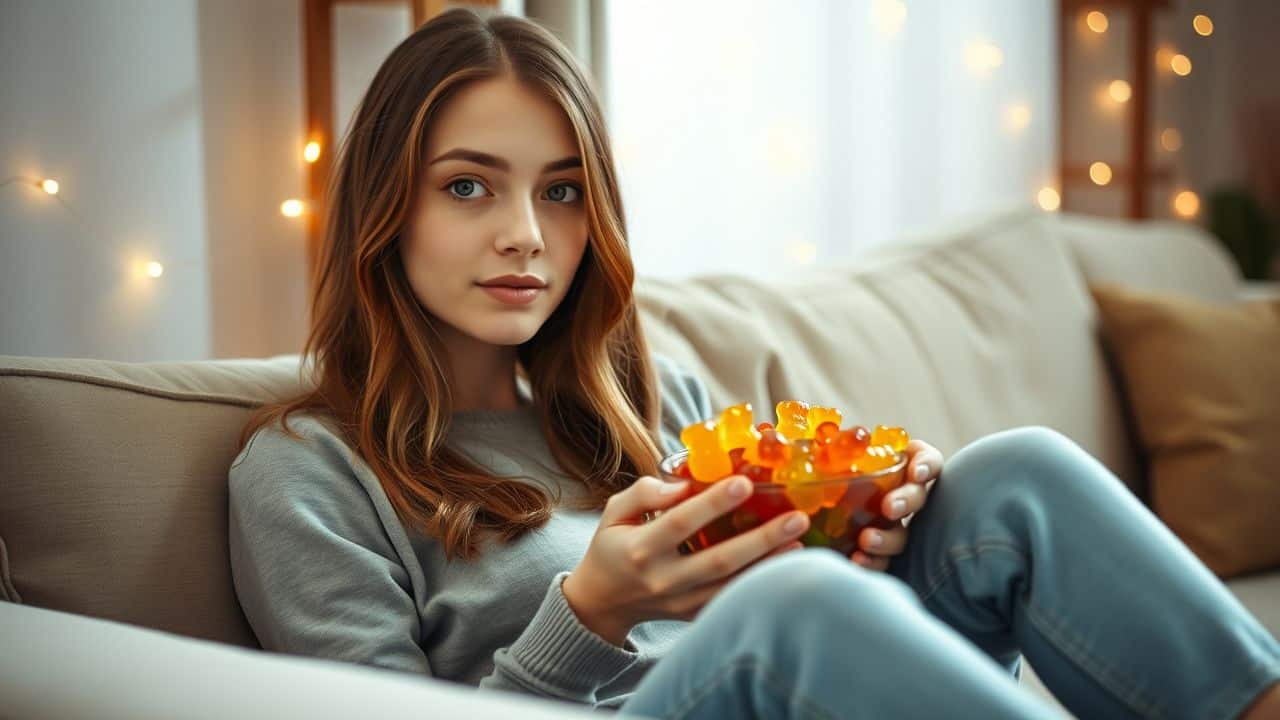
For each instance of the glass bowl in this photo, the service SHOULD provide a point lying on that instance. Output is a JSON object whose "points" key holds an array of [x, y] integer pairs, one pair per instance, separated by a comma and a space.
{"points": [[838, 508]]}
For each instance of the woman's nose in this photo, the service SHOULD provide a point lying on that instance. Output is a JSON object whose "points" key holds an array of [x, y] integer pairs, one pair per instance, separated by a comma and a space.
{"points": [[523, 233]]}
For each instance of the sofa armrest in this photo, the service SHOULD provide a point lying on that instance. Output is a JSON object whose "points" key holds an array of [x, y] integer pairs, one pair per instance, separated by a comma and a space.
{"points": [[1256, 290], [65, 665]]}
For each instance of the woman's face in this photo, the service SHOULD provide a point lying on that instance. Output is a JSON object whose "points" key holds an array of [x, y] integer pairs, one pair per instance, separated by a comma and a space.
{"points": [[503, 194]]}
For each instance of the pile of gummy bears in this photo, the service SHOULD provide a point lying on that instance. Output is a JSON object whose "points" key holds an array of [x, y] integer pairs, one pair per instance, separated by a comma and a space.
{"points": [[806, 445]]}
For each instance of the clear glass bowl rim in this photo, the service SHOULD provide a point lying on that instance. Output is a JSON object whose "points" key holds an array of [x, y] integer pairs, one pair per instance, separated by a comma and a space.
{"points": [[674, 459]]}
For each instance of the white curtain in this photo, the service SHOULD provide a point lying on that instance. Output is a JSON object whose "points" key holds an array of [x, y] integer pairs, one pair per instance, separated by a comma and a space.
{"points": [[761, 137]]}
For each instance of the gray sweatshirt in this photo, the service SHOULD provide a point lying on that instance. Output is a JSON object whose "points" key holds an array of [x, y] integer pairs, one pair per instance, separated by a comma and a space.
{"points": [[323, 567]]}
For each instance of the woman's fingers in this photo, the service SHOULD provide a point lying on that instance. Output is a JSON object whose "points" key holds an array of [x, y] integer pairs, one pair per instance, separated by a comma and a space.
{"points": [[902, 501], [882, 541], [870, 562]]}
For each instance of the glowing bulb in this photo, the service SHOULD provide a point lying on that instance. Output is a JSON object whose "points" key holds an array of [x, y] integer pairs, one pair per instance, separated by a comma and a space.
{"points": [[1186, 204], [1017, 116], [1171, 139], [1203, 25], [1100, 173], [1120, 91], [983, 57], [888, 15], [802, 252], [1097, 21], [1164, 55], [50, 186], [155, 269], [1181, 64], [312, 152], [1048, 198], [291, 208]]}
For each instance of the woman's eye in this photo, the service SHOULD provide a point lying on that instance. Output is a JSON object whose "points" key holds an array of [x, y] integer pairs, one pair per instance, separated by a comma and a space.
{"points": [[466, 187], [563, 188]]}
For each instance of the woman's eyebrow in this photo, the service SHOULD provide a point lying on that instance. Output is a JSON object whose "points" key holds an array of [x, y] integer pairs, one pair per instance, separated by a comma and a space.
{"points": [[492, 161]]}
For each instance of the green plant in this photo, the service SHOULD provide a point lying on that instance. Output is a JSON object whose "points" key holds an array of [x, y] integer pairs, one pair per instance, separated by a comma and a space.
{"points": [[1243, 226]]}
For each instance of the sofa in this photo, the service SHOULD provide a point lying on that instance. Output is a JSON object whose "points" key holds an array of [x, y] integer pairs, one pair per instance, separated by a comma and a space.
{"points": [[114, 572]]}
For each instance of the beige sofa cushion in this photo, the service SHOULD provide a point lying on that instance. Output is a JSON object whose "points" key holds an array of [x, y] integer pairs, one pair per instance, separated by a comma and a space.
{"points": [[956, 336]]}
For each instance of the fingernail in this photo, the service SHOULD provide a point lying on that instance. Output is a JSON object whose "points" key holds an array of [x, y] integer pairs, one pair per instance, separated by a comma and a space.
{"points": [[794, 524], [922, 472], [898, 506], [739, 488], [874, 538], [672, 487]]}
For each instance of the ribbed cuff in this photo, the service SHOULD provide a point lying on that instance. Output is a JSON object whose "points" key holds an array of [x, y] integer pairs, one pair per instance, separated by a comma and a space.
{"points": [[562, 654]]}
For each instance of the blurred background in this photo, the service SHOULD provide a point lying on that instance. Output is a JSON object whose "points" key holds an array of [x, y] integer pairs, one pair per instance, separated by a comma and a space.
{"points": [[162, 160]]}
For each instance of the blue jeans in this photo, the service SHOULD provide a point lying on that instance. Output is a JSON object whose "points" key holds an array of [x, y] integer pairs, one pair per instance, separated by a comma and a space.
{"points": [[1028, 545]]}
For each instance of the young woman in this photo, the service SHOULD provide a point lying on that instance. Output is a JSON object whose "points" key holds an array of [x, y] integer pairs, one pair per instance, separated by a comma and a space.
{"points": [[460, 492]]}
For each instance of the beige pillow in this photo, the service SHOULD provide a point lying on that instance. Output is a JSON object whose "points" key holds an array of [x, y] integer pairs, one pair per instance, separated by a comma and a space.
{"points": [[1203, 383]]}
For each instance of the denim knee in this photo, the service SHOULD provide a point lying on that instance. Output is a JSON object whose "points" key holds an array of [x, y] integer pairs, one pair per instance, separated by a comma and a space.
{"points": [[1041, 456], [814, 583]]}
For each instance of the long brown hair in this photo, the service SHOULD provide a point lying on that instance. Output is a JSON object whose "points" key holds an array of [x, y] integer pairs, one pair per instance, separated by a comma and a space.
{"points": [[377, 364]]}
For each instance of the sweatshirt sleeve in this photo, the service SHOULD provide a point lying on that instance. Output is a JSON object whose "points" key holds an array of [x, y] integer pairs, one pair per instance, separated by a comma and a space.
{"points": [[317, 574], [685, 401]]}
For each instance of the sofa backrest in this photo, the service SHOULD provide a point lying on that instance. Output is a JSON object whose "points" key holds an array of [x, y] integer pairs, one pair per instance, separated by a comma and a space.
{"points": [[113, 479]]}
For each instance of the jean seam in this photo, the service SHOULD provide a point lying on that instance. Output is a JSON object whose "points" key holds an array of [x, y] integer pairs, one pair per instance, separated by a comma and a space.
{"points": [[1065, 642], [1047, 623], [963, 552], [810, 708]]}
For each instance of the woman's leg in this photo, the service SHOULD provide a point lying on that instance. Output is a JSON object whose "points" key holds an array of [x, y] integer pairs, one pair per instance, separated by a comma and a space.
{"points": [[809, 634], [1028, 542]]}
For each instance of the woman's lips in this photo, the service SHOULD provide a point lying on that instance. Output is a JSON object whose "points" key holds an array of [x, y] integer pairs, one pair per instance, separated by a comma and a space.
{"points": [[512, 295]]}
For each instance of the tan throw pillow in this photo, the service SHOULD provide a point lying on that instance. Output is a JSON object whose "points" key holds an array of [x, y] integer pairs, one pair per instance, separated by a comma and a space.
{"points": [[1203, 383]]}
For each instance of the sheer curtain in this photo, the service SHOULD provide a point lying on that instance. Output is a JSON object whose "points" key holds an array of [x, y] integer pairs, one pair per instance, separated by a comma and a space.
{"points": [[762, 137]]}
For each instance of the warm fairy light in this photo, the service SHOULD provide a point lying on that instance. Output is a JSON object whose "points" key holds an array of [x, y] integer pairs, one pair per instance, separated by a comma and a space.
{"points": [[1181, 64], [1171, 139], [802, 252], [1164, 54], [1097, 21], [155, 269], [50, 186], [888, 15], [312, 152], [1017, 116], [1048, 198], [983, 57], [1186, 204], [1120, 91], [291, 208], [1100, 173], [1203, 25]]}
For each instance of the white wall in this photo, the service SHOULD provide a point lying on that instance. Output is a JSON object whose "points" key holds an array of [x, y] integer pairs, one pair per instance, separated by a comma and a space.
{"points": [[108, 102]]}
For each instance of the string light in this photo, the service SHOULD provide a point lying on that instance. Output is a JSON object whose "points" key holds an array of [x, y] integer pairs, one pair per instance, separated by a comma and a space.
{"points": [[155, 269], [1181, 64], [1164, 55], [1097, 21], [50, 186], [1049, 199], [1171, 139], [1100, 173], [291, 208], [888, 16], [1203, 25], [982, 57], [1017, 117], [1186, 204], [312, 152], [1120, 91]]}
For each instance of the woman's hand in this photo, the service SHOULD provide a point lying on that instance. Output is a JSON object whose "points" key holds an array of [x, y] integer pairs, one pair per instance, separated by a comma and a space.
{"points": [[633, 571], [888, 537]]}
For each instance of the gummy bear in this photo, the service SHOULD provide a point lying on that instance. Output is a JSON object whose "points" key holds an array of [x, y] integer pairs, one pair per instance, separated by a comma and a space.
{"points": [[793, 419], [707, 461], [736, 428], [773, 450], [819, 415], [894, 437]]}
